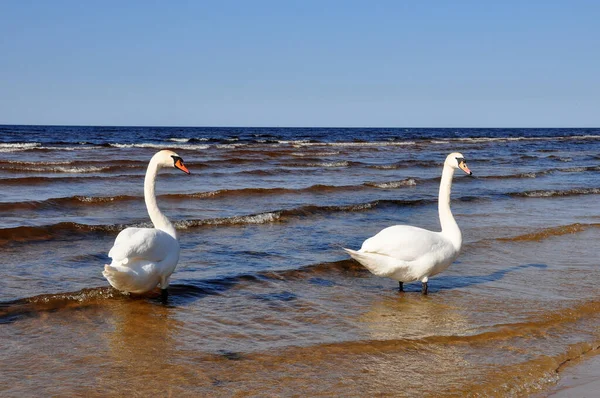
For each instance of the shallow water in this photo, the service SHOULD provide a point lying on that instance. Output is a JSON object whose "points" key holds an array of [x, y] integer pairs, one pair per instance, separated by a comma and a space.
{"points": [[264, 301]]}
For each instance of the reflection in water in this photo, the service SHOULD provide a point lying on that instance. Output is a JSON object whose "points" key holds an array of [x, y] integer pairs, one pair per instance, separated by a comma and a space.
{"points": [[446, 282], [141, 346], [412, 316], [405, 320]]}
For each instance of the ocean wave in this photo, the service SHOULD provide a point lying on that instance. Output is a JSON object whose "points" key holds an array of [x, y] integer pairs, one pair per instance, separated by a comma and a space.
{"points": [[317, 163], [393, 166], [61, 230], [407, 182], [340, 163], [183, 146], [13, 310], [351, 144], [18, 163], [276, 216], [35, 180], [530, 174], [579, 169], [79, 200], [478, 140], [548, 193], [65, 169], [18, 146], [540, 173], [231, 146], [72, 167], [184, 140], [545, 233], [76, 230], [261, 218], [65, 202], [235, 142], [315, 154], [68, 148], [318, 188], [435, 141]]}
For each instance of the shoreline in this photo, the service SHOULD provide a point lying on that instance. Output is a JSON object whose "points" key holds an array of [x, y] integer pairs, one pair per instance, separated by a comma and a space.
{"points": [[580, 379]]}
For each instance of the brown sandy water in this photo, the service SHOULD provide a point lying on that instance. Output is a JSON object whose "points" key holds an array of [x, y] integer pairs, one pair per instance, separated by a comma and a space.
{"points": [[264, 302]]}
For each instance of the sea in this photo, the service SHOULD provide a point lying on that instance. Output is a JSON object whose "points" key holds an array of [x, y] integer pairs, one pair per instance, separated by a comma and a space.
{"points": [[264, 301]]}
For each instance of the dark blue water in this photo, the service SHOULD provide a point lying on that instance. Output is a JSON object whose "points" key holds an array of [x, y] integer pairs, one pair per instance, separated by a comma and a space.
{"points": [[104, 135]]}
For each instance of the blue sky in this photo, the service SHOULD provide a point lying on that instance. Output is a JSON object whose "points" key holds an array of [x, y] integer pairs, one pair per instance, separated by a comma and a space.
{"points": [[301, 63]]}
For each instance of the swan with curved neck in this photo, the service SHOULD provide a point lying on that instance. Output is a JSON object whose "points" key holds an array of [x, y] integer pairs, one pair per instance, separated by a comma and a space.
{"points": [[406, 253], [143, 258]]}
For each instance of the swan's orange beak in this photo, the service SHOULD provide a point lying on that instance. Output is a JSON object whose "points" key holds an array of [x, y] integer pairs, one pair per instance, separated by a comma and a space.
{"points": [[179, 164], [463, 167]]}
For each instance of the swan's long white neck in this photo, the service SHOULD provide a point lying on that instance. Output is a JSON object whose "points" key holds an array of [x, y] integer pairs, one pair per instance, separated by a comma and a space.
{"points": [[449, 227], [159, 220]]}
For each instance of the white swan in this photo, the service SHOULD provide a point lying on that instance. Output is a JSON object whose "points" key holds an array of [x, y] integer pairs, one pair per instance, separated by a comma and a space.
{"points": [[142, 258], [406, 253]]}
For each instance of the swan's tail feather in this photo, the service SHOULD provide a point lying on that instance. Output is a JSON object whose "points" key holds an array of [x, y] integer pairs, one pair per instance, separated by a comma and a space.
{"points": [[119, 277], [137, 277], [378, 264]]}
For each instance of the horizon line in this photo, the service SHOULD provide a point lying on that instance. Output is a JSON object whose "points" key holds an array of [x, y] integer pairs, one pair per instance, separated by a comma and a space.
{"points": [[295, 127]]}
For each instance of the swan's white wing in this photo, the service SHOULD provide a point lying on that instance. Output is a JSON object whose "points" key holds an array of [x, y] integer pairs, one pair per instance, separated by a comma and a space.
{"points": [[403, 242], [149, 244]]}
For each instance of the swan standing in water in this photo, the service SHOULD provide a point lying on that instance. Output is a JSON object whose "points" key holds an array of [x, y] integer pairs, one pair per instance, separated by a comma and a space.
{"points": [[142, 258], [406, 253]]}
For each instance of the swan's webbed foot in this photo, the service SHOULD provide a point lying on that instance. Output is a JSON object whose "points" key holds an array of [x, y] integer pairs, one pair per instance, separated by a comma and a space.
{"points": [[164, 296], [400, 286], [424, 288]]}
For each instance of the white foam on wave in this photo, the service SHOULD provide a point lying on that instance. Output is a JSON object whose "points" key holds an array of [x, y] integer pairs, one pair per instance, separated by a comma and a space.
{"points": [[476, 140], [552, 192], [528, 175], [74, 169], [293, 142], [18, 146], [40, 164], [230, 146], [63, 169], [580, 169], [301, 144], [262, 218], [386, 166], [70, 148], [314, 154], [342, 163], [409, 182], [183, 140], [160, 146]]}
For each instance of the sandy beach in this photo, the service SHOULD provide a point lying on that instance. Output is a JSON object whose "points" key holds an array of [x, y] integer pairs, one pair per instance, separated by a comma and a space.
{"points": [[581, 380]]}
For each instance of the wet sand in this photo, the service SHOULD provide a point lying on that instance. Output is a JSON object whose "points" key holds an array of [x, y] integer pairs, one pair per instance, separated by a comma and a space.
{"points": [[581, 380]]}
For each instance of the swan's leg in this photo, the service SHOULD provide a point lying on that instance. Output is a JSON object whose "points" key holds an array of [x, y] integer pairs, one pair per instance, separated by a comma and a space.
{"points": [[164, 295], [424, 286], [400, 286]]}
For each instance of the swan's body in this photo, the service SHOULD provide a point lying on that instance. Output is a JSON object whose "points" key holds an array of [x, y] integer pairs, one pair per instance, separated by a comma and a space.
{"points": [[143, 258], [406, 253]]}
